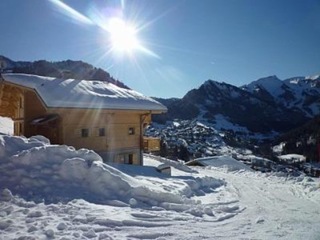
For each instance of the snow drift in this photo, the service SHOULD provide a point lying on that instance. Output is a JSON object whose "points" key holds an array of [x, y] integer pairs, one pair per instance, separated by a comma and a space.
{"points": [[42, 172]]}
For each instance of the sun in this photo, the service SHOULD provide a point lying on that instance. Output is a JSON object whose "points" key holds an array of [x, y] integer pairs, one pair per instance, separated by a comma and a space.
{"points": [[123, 36], [119, 35]]}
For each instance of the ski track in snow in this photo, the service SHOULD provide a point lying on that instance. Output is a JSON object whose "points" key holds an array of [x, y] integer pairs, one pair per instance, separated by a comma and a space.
{"points": [[274, 208], [248, 207]]}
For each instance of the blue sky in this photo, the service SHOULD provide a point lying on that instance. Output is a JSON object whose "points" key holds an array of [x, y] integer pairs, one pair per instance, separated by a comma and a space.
{"points": [[188, 41]]}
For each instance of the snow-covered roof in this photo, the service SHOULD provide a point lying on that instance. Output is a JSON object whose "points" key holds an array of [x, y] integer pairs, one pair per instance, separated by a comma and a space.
{"points": [[226, 162], [71, 93], [292, 158]]}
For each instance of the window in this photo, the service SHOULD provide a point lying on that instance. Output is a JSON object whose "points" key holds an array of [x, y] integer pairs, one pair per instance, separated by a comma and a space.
{"points": [[102, 132], [131, 131], [127, 158], [20, 128], [84, 132], [130, 158], [20, 102], [120, 158]]}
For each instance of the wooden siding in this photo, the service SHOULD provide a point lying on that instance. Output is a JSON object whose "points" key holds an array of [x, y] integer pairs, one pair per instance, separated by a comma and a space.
{"points": [[116, 125], [117, 144], [12, 106], [10, 101], [33, 108]]}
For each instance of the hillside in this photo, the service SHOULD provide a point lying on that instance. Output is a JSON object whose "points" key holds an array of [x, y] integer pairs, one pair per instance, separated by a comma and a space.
{"points": [[268, 106], [63, 69], [304, 140]]}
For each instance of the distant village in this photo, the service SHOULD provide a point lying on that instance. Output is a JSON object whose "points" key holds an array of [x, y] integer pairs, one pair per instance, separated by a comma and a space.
{"points": [[187, 140]]}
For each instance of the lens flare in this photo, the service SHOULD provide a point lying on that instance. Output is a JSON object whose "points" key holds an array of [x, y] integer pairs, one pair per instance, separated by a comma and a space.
{"points": [[122, 35], [71, 13]]}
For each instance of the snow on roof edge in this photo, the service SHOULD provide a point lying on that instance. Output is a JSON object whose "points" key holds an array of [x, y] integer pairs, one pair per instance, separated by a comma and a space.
{"points": [[93, 94]]}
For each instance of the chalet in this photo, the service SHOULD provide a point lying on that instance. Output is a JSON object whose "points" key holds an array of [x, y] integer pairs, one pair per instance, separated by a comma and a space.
{"points": [[85, 114]]}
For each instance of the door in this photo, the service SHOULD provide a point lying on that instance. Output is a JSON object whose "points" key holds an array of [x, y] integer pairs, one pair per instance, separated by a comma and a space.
{"points": [[47, 126]]}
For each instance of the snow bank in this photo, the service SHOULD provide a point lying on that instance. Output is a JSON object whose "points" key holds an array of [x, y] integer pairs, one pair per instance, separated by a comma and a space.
{"points": [[6, 125], [253, 205], [39, 171]]}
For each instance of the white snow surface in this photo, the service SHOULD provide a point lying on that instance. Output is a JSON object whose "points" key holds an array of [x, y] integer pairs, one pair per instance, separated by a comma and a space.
{"points": [[57, 192], [6, 125], [83, 93], [222, 122]]}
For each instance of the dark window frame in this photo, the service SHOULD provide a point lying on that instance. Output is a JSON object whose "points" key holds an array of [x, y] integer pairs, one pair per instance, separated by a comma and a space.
{"points": [[102, 132], [132, 131], [85, 132]]}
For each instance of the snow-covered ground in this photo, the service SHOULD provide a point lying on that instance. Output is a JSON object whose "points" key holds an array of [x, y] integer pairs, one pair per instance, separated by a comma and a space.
{"points": [[57, 192]]}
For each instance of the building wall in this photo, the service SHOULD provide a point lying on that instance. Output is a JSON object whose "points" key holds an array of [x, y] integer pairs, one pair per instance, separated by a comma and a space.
{"points": [[32, 108], [12, 106], [116, 135]]}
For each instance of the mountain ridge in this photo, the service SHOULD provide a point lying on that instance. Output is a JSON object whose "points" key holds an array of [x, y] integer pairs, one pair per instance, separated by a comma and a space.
{"points": [[59, 69], [266, 105]]}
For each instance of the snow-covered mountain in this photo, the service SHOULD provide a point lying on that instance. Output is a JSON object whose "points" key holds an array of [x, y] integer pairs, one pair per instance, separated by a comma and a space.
{"points": [[297, 93], [267, 106]]}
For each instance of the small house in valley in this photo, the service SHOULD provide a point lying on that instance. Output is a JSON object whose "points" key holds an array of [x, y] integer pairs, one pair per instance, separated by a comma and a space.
{"points": [[85, 114]]}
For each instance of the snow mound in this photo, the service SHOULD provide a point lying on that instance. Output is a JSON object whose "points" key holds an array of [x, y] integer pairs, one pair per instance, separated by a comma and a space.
{"points": [[39, 171]]}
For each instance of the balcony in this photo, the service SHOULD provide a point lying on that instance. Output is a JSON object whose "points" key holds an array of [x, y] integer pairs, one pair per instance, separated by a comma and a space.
{"points": [[151, 144]]}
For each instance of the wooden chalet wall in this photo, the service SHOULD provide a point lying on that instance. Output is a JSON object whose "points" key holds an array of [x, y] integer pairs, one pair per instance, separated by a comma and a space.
{"points": [[33, 108], [12, 106], [115, 135], [22, 106]]}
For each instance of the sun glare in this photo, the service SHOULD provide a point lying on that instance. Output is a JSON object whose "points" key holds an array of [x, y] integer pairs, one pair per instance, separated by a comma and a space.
{"points": [[122, 36]]}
